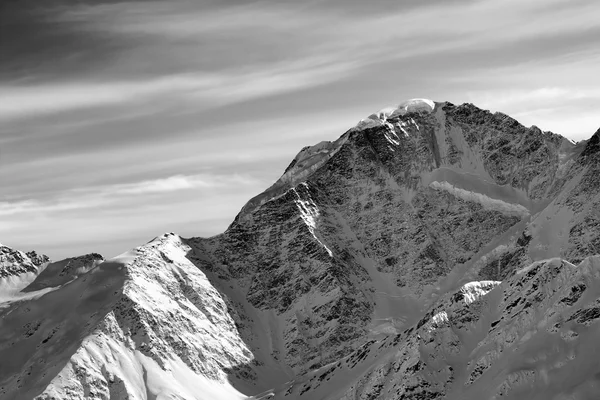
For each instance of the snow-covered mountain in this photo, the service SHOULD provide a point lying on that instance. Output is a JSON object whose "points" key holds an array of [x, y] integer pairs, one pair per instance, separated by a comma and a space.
{"points": [[419, 256]]}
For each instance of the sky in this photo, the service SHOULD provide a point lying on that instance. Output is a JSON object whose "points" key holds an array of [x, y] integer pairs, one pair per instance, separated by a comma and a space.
{"points": [[122, 120]]}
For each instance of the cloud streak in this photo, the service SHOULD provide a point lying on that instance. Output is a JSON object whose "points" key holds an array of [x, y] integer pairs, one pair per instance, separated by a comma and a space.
{"points": [[207, 89], [217, 56], [112, 218], [103, 196]]}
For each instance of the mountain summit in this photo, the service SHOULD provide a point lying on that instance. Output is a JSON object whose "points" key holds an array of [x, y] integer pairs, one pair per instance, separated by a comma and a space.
{"points": [[432, 251]]}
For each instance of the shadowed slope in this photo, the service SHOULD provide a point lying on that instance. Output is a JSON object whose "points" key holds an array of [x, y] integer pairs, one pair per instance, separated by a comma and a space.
{"points": [[40, 334]]}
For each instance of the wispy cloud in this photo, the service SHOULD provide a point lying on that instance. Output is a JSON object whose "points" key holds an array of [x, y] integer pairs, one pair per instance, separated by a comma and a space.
{"points": [[113, 218], [206, 89], [216, 56], [569, 111], [102, 196], [173, 183], [265, 33], [539, 96]]}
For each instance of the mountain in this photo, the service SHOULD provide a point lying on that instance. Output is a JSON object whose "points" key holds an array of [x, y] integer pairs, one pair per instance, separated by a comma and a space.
{"points": [[429, 252], [17, 269], [14, 263]]}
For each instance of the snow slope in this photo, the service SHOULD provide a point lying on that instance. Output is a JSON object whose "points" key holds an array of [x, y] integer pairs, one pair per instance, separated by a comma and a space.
{"points": [[17, 270], [146, 325]]}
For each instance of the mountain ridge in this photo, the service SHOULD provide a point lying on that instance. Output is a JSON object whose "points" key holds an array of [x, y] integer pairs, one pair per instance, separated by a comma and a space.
{"points": [[349, 253]]}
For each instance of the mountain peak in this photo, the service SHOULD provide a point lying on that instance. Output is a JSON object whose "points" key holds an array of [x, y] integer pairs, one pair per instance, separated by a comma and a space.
{"points": [[14, 262], [593, 145], [417, 104], [408, 106]]}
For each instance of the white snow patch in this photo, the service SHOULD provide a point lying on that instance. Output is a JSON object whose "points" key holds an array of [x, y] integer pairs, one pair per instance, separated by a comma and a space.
{"points": [[473, 291], [412, 105], [139, 376], [418, 104], [487, 202], [401, 126], [389, 138], [385, 112], [415, 124], [310, 213], [437, 320], [366, 123]]}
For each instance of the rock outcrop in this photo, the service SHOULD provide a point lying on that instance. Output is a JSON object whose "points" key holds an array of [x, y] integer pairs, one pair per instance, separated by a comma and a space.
{"points": [[14, 263]]}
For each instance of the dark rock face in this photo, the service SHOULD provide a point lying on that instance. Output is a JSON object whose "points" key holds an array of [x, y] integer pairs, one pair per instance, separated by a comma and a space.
{"points": [[512, 154], [487, 340], [592, 148]]}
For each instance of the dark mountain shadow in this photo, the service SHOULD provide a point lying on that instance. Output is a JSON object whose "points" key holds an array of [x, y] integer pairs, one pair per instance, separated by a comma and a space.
{"points": [[60, 272], [266, 371]]}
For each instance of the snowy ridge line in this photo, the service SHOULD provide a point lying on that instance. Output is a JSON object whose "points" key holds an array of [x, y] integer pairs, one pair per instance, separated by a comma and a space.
{"points": [[310, 159], [306, 162], [487, 202], [381, 117], [473, 291], [121, 357], [554, 260], [412, 105]]}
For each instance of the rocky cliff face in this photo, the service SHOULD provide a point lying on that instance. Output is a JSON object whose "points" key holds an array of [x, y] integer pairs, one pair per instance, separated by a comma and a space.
{"points": [[387, 264], [14, 263], [530, 336], [399, 210]]}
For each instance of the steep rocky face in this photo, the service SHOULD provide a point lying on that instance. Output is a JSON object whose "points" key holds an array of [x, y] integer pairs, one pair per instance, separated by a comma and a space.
{"points": [[531, 336], [568, 225], [583, 201], [386, 264], [361, 235]]}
